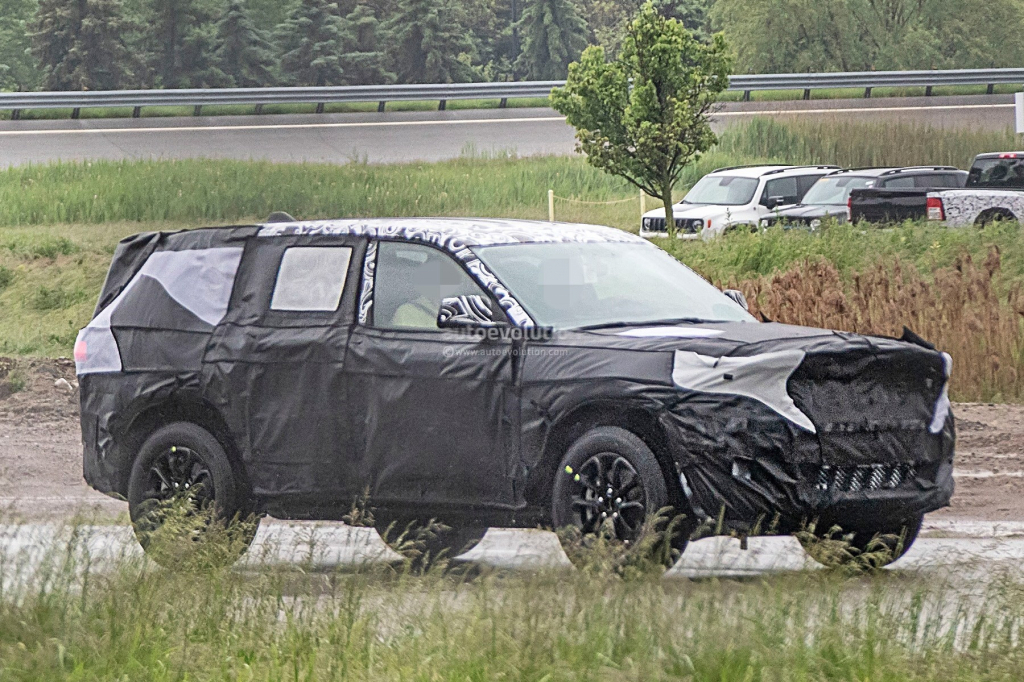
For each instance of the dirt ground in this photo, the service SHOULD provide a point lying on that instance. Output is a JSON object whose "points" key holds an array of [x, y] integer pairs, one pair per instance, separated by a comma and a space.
{"points": [[41, 465]]}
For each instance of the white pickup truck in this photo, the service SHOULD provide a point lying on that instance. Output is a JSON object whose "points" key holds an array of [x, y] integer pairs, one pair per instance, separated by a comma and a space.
{"points": [[994, 191]]}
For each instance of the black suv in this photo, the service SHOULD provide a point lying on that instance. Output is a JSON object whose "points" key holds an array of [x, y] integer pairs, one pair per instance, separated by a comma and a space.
{"points": [[829, 198], [491, 373]]}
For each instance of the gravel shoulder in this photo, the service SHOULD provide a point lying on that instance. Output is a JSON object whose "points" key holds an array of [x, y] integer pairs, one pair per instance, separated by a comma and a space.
{"points": [[41, 465]]}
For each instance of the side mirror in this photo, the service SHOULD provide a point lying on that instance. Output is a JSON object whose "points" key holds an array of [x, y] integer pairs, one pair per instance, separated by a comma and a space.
{"points": [[772, 203], [465, 312], [738, 297]]}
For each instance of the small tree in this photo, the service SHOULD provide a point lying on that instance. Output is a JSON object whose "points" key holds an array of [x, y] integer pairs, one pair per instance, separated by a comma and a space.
{"points": [[554, 34], [645, 115], [311, 41], [243, 51]]}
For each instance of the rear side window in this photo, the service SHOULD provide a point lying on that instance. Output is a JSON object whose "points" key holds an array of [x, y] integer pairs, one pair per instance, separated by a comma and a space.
{"points": [[805, 182], [311, 278], [900, 183], [936, 180]]}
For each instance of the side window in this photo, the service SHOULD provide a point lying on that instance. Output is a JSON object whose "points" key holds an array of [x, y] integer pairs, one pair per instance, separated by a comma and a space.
{"points": [[311, 278], [900, 183], [936, 180], [804, 183], [409, 283], [784, 189]]}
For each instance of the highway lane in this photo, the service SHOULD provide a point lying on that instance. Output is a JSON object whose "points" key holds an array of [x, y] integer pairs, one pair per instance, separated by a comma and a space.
{"points": [[420, 136]]}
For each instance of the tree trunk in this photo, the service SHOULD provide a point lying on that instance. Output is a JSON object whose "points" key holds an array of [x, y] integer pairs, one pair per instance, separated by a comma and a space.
{"points": [[670, 219]]}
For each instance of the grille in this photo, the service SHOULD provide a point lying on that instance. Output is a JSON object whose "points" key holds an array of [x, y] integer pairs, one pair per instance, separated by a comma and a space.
{"points": [[851, 479], [685, 225]]}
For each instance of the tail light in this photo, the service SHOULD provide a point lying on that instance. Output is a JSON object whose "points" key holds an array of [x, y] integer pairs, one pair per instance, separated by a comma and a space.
{"points": [[849, 208], [936, 211], [81, 352]]}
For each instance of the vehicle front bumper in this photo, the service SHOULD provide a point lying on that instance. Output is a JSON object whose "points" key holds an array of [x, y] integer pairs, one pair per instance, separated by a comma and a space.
{"points": [[756, 470]]}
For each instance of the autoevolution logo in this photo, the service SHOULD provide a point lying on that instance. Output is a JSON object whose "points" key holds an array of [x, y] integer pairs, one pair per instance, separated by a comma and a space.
{"points": [[507, 333]]}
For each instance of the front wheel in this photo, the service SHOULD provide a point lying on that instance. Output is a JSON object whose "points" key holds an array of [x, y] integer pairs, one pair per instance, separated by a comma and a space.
{"points": [[865, 548], [185, 501], [609, 491]]}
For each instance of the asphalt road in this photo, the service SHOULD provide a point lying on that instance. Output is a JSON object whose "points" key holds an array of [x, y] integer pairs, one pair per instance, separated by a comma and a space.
{"points": [[420, 136], [981, 548]]}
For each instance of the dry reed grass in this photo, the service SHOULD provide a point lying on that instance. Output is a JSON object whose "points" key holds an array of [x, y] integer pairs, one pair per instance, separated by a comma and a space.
{"points": [[958, 309]]}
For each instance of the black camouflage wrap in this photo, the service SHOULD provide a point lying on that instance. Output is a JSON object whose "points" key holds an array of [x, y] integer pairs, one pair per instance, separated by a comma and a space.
{"points": [[752, 423]]}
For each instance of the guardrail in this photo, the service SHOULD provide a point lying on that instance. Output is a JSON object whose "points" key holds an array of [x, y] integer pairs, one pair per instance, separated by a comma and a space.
{"points": [[382, 94]]}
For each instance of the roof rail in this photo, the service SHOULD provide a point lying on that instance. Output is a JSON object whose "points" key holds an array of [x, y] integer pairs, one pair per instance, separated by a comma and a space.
{"points": [[749, 165], [790, 168], [895, 171]]}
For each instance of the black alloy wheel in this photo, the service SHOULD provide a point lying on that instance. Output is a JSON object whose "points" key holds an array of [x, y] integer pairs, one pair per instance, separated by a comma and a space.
{"points": [[182, 472], [610, 487], [178, 471]]}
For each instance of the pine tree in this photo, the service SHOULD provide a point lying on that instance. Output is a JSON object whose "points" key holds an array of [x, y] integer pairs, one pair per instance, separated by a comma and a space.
{"points": [[17, 67], [79, 44], [554, 35], [364, 60], [182, 45], [429, 43], [243, 51], [311, 42]]}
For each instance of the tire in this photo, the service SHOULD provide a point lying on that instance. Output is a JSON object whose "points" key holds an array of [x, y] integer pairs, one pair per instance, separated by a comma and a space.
{"points": [[992, 216], [584, 513], [183, 473], [425, 544], [865, 548]]}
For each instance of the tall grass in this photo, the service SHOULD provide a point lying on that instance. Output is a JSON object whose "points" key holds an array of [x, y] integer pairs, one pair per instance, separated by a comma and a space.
{"points": [[957, 309], [71, 616], [853, 145]]}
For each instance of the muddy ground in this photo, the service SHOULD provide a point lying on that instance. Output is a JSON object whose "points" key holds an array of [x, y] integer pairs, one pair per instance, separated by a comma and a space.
{"points": [[41, 466]]}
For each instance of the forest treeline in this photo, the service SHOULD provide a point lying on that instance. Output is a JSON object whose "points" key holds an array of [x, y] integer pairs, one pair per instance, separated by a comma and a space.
{"points": [[118, 44]]}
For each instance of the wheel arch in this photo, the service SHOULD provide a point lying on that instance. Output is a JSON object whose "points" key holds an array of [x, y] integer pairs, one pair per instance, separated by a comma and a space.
{"points": [[993, 214], [132, 431], [640, 420]]}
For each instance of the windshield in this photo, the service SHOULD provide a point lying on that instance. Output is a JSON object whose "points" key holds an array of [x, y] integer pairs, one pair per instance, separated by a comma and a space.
{"points": [[834, 191], [722, 190], [567, 286], [997, 173]]}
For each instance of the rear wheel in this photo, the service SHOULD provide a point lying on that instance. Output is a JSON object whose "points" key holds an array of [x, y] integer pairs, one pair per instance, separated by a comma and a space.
{"points": [[185, 501], [864, 548], [993, 216], [608, 492]]}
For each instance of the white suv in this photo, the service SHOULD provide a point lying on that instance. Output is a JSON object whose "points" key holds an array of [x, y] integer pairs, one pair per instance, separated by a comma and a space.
{"points": [[734, 197]]}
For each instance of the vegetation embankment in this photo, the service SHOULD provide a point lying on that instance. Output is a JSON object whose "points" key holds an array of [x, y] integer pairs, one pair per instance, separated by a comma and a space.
{"points": [[60, 223], [60, 618]]}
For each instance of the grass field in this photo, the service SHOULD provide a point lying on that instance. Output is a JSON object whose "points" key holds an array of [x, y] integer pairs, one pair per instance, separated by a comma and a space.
{"points": [[59, 225], [67, 617]]}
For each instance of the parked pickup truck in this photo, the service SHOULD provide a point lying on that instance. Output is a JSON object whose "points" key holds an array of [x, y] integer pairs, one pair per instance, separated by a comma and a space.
{"points": [[994, 191], [902, 193]]}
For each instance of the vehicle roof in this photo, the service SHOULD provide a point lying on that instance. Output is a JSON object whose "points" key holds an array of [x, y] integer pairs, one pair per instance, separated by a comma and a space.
{"points": [[454, 234], [1001, 155], [895, 170]]}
